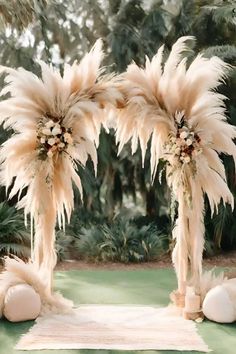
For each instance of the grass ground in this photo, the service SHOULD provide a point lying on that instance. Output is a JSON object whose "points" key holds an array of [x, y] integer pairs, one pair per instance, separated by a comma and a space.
{"points": [[102, 286]]}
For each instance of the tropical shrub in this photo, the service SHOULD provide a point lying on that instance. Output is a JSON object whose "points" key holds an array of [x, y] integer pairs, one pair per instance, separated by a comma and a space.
{"points": [[122, 241], [14, 238]]}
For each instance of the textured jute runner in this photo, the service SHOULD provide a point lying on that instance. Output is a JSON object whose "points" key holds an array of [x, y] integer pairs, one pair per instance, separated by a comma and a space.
{"points": [[114, 327]]}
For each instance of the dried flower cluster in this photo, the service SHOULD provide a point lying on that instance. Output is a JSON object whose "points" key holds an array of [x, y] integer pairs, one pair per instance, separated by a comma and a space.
{"points": [[53, 138], [183, 146]]}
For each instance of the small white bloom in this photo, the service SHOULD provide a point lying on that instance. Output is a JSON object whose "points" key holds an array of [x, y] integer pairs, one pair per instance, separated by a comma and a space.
{"points": [[56, 130], [42, 140], [46, 131], [51, 141], [49, 124], [183, 135], [189, 142], [68, 138], [186, 159], [50, 153]]}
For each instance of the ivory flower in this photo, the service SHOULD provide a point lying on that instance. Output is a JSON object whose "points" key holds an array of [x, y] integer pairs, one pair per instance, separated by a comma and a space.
{"points": [[189, 142], [51, 141], [46, 131], [183, 135], [50, 124], [56, 130], [68, 138], [186, 159]]}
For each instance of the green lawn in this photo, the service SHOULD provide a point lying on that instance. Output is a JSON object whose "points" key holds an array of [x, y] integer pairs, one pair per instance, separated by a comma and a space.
{"points": [[120, 287]]}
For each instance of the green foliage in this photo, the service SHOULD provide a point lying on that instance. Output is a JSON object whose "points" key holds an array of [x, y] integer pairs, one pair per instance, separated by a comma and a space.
{"points": [[225, 52], [64, 245], [121, 241], [14, 239]]}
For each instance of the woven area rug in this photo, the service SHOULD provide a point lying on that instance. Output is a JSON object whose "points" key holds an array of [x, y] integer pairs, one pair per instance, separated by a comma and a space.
{"points": [[114, 327]]}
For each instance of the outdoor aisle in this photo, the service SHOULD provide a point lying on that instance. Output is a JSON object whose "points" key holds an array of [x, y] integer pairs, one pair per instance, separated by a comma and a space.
{"points": [[147, 287]]}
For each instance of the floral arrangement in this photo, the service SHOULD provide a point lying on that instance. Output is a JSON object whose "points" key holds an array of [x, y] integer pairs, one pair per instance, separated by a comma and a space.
{"points": [[184, 146], [53, 138]]}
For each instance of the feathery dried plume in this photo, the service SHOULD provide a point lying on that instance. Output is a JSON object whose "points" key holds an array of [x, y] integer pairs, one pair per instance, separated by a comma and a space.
{"points": [[164, 103], [177, 108], [57, 121], [18, 272]]}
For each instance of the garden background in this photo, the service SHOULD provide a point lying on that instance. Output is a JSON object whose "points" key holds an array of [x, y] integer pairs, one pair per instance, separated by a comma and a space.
{"points": [[123, 218]]}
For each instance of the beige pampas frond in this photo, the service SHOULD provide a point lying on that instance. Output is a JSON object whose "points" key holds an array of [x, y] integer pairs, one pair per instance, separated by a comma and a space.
{"points": [[165, 100], [18, 272], [209, 280], [57, 121], [175, 105]]}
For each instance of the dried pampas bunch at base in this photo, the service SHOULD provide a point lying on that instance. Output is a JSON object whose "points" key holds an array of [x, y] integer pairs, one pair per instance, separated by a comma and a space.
{"points": [[56, 121], [175, 105], [18, 272]]}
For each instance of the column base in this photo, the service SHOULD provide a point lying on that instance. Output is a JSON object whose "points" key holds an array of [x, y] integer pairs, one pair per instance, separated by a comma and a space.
{"points": [[177, 298], [194, 316]]}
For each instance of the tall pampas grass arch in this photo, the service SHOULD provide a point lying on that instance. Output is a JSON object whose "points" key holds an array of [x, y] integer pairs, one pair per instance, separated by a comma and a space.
{"points": [[56, 121], [175, 105]]}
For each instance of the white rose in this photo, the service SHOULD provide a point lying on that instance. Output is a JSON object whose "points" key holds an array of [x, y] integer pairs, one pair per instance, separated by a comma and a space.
{"points": [[183, 135], [46, 131], [49, 124], [186, 159], [51, 141], [189, 142], [56, 130]]}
